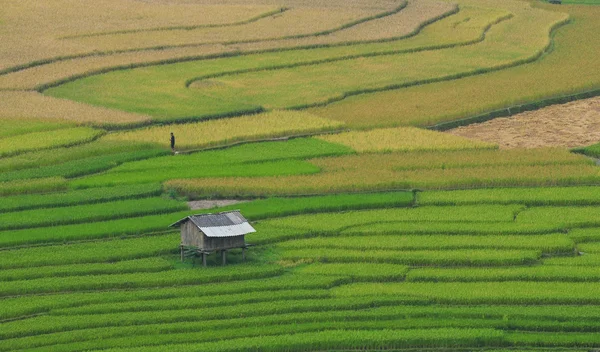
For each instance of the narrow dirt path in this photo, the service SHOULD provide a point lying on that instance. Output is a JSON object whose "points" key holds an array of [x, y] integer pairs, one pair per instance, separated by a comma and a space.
{"points": [[207, 204]]}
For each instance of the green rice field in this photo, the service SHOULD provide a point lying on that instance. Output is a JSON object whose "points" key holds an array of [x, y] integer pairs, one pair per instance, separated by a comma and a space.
{"points": [[321, 122]]}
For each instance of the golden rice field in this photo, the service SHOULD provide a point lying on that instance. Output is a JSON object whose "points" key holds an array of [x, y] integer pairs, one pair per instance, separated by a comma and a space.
{"points": [[404, 139], [353, 249], [227, 131]]}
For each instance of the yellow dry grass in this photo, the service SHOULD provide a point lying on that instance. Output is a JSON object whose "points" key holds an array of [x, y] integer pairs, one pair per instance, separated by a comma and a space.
{"points": [[230, 130], [27, 105], [32, 29], [404, 139]]}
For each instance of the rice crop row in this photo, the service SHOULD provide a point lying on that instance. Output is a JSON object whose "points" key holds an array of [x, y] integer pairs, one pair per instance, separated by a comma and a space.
{"points": [[227, 131], [401, 317], [358, 272], [11, 127], [584, 259], [535, 273], [86, 213], [28, 305], [384, 180], [126, 266], [347, 339], [137, 279], [555, 243], [47, 139], [529, 196], [50, 184], [509, 292], [410, 170], [563, 216], [592, 150], [58, 323], [81, 20], [185, 170], [502, 48], [93, 195], [459, 257], [90, 252], [433, 103], [454, 159], [193, 302], [65, 68], [55, 156], [93, 230], [585, 235], [405, 139], [294, 22], [201, 335], [36, 105], [343, 220], [157, 78], [554, 339], [452, 228], [296, 148], [279, 207], [82, 167]]}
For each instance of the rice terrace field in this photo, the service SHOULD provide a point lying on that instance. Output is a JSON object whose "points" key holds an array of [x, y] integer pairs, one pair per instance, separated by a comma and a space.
{"points": [[393, 210]]}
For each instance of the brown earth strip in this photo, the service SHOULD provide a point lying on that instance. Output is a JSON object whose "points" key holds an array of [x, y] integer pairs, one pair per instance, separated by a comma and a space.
{"points": [[570, 125]]}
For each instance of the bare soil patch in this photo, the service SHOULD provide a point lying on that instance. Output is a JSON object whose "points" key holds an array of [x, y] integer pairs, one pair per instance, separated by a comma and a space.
{"points": [[570, 125], [207, 204]]}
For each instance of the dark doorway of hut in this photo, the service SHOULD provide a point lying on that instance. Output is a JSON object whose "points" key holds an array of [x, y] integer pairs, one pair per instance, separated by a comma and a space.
{"points": [[203, 234]]}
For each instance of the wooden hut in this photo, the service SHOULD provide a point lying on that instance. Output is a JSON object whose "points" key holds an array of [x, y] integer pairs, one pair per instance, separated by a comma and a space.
{"points": [[207, 233]]}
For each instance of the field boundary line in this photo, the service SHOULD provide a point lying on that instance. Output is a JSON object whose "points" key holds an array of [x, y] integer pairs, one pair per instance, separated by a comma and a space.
{"points": [[182, 27]]}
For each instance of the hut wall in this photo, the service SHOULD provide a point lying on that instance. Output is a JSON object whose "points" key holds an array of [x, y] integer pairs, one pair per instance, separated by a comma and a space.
{"points": [[190, 235], [215, 243]]}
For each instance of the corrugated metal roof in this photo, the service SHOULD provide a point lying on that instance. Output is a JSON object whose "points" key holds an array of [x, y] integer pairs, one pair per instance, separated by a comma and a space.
{"points": [[225, 224], [228, 231]]}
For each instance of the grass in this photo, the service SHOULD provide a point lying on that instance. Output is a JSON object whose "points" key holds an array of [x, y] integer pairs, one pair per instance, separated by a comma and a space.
{"points": [[585, 216], [406, 139], [227, 131]]}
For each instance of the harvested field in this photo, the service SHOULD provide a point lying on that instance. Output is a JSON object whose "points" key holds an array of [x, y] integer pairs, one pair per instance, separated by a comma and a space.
{"points": [[570, 125]]}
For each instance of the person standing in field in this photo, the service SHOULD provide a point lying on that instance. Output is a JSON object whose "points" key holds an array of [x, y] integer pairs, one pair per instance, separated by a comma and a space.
{"points": [[173, 142]]}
